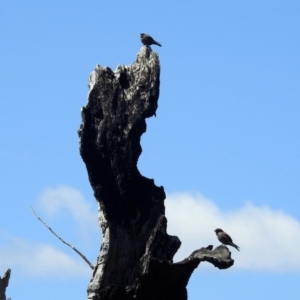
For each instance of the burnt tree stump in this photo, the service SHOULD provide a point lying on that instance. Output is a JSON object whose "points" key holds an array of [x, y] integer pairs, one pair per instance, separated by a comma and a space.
{"points": [[4, 281], [136, 255]]}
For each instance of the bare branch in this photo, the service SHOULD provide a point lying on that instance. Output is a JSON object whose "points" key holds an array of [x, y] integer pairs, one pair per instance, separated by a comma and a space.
{"points": [[220, 257], [66, 243]]}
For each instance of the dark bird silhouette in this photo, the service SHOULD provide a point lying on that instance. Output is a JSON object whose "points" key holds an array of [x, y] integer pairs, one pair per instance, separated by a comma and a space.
{"points": [[225, 239], [148, 40]]}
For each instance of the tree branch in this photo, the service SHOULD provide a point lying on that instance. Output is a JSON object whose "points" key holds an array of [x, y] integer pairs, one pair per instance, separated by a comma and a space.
{"points": [[66, 243]]}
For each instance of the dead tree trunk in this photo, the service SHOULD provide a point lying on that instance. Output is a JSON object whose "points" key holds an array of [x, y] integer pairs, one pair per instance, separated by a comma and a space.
{"points": [[135, 260], [4, 284]]}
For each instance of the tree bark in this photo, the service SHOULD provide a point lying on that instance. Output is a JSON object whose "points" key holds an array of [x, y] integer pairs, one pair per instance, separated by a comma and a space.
{"points": [[136, 255]]}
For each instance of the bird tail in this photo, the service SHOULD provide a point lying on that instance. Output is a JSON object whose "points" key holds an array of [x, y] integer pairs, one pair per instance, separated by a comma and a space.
{"points": [[235, 246], [158, 44]]}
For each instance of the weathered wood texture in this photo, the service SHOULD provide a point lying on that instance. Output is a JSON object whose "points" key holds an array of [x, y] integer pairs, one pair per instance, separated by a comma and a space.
{"points": [[135, 260]]}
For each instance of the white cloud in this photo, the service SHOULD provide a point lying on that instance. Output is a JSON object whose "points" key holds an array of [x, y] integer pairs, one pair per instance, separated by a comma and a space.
{"points": [[41, 259], [269, 239], [66, 199], [37, 259]]}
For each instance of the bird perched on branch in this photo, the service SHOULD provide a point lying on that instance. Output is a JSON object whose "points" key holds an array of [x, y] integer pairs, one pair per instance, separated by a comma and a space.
{"points": [[225, 239], [148, 40]]}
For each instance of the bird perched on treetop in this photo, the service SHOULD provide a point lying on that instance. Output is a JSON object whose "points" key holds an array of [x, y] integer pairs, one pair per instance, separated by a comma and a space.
{"points": [[148, 40], [225, 239]]}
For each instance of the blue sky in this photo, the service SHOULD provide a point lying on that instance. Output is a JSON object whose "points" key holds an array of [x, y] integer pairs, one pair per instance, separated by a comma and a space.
{"points": [[225, 142]]}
